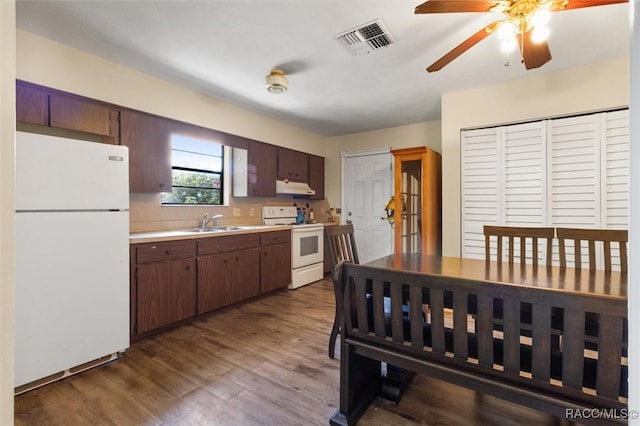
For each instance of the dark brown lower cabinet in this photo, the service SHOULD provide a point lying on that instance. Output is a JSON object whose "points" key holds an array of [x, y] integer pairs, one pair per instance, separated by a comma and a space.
{"points": [[175, 280], [166, 293], [275, 260], [227, 278]]}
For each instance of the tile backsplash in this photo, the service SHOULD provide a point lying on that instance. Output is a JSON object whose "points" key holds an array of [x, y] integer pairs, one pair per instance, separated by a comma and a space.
{"points": [[146, 213]]}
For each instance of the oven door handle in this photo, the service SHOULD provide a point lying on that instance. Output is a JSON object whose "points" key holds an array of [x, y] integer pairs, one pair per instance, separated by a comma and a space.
{"points": [[307, 230]]}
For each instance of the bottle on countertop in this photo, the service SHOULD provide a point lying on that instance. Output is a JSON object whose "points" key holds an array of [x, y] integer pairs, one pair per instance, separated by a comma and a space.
{"points": [[310, 214]]}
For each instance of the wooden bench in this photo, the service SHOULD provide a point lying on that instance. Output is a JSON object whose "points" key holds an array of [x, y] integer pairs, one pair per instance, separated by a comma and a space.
{"points": [[437, 339]]}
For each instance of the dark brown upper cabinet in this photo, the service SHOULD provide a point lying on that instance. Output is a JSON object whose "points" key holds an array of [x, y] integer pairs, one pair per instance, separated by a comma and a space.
{"points": [[149, 140], [32, 105], [293, 165], [262, 169], [47, 107], [316, 176], [70, 112]]}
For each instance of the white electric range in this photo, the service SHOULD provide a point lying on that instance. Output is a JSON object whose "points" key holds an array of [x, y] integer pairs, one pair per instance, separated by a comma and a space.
{"points": [[307, 244]]}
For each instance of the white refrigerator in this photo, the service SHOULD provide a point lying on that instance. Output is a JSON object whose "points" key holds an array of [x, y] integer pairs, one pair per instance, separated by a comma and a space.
{"points": [[72, 254]]}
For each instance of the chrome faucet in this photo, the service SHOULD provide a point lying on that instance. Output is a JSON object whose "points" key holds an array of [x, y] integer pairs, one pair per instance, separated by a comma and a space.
{"points": [[216, 220], [205, 221]]}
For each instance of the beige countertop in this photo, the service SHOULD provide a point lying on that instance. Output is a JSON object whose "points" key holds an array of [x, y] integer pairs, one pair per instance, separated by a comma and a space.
{"points": [[152, 237]]}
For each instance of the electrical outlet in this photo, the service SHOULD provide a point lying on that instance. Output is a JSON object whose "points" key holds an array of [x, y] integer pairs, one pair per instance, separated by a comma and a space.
{"points": [[236, 211], [338, 210], [252, 212]]}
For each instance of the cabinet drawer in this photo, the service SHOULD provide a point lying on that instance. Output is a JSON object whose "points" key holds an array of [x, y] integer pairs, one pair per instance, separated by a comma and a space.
{"points": [[157, 252], [276, 237], [230, 243]]}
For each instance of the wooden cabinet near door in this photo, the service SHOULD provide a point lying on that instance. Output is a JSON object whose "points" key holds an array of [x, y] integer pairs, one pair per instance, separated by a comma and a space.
{"points": [[149, 140], [418, 201], [228, 270], [275, 260], [165, 284]]}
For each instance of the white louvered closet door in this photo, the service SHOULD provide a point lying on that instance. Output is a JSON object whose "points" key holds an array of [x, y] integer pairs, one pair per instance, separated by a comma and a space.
{"points": [[615, 176], [615, 170], [574, 177], [565, 172], [574, 172], [481, 175], [524, 180]]}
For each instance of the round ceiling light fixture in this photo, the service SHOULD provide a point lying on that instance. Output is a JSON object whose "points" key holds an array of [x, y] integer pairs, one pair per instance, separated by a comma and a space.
{"points": [[277, 82]]}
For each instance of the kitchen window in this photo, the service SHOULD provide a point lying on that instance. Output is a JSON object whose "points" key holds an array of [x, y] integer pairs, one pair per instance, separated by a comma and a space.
{"points": [[197, 172]]}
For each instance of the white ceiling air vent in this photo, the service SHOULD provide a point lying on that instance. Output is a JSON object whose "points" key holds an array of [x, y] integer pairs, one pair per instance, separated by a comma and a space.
{"points": [[366, 38]]}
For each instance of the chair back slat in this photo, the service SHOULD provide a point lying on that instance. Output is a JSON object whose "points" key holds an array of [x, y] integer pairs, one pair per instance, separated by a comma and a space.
{"points": [[342, 244], [610, 238], [520, 234]]}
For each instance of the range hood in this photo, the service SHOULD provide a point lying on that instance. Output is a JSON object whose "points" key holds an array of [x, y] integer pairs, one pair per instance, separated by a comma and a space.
{"points": [[295, 188]]}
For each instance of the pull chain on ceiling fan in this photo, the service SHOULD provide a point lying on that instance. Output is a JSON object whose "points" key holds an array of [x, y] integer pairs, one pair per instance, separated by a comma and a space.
{"points": [[525, 25]]}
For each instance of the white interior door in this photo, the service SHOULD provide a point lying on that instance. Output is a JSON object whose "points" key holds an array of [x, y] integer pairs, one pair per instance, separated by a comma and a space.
{"points": [[367, 186]]}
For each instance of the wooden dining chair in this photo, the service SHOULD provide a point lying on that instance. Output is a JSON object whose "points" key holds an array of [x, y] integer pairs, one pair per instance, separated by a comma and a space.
{"points": [[342, 246], [522, 235], [594, 238]]}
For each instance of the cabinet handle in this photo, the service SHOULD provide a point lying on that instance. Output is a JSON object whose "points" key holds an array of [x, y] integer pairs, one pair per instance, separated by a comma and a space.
{"points": [[187, 267], [167, 252]]}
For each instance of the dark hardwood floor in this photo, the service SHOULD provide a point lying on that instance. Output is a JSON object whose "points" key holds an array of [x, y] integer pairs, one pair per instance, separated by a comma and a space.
{"points": [[263, 362]]}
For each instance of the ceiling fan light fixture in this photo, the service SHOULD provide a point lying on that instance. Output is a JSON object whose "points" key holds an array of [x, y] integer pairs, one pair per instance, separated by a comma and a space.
{"points": [[507, 30], [540, 34], [540, 17], [508, 45], [276, 82]]}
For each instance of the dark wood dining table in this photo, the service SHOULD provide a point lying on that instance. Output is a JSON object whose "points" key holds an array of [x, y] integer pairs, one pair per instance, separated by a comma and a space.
{"points": [[599, 284]]}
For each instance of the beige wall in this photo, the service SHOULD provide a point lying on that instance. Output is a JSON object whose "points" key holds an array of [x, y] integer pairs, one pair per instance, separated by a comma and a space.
{"points": [[591, 88], [420, 134], [54, 65], [7, 144]]}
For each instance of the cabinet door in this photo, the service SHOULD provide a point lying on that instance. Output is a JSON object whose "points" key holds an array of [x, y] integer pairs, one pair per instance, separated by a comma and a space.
{"points": [[214, 282], [262, 169], [293, 165], [152, 296], [149, 141], [32, 105], [316, 176], [275, 267], [181, 289], [166, 293], [73, 113], [246, 274]]}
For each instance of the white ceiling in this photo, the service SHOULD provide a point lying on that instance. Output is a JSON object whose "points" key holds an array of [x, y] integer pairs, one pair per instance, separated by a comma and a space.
{"points": [[226, 48]]}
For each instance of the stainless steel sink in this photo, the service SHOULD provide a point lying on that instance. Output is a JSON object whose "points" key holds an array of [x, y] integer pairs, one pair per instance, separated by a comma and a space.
{"points": [[204, 230], [222, 229]]}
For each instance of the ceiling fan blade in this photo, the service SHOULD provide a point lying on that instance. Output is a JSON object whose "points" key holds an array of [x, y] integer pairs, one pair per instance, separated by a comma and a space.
{"points": [[453, 6], [464, 46], [534, 54], [579, 4]]}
